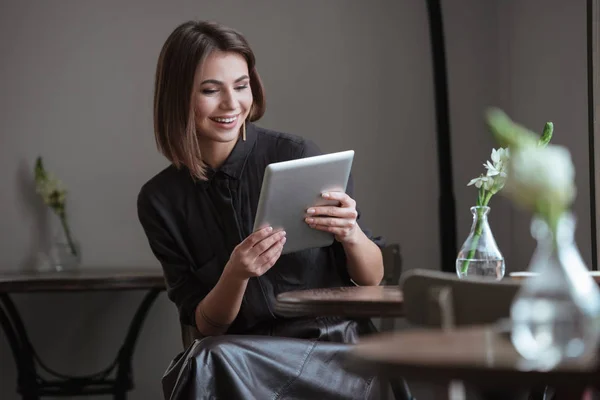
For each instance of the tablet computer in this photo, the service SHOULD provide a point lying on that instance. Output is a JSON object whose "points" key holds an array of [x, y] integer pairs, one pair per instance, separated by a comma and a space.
{"points": [[289, 188]]}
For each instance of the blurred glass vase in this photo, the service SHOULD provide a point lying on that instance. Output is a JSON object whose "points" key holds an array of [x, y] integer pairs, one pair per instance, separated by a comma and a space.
{"points": [[479, 254], [556, 314], [65, 251]]}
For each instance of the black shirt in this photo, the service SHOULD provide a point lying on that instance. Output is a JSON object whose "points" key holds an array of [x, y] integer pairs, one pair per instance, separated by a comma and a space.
{"points": [[193, 226]]}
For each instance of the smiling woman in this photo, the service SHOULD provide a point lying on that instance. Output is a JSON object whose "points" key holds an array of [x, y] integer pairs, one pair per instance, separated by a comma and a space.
{"points": [[198, 215], [219, 72]]}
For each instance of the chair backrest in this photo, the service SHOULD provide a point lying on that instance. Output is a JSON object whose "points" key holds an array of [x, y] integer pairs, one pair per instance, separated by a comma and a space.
{"points": [[392, 264], [392, 269], [188, 335], [440, 299]]}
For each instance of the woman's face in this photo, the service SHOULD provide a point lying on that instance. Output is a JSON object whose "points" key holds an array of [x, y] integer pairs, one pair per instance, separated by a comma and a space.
{"points": [[222, 96]]}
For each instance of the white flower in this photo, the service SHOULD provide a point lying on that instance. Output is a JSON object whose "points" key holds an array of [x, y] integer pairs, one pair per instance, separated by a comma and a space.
{"points": [[499, 182], [52, 191], [483, 180], [493, 170], [541, 175], [501, 155], [500, 159], [495, 177]]}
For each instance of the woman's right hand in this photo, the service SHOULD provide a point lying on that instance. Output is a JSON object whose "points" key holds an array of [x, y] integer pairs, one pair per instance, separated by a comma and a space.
{"points": [[257, 253]]}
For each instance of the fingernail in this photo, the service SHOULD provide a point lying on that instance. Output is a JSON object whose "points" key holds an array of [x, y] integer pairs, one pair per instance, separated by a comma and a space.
{"points": [[309, 220], [310, 210], [283, 233], [283, 240], [325, 194], [269, 229]]}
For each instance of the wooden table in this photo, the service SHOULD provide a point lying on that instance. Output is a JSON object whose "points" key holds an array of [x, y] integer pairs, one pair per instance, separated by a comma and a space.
{"points": [[521, 275], [117, 377], [352, 301], [348, 301], [481, 355]]}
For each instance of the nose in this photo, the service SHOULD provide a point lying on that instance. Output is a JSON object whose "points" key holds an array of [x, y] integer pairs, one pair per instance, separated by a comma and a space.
{"points": [[229, 101]]}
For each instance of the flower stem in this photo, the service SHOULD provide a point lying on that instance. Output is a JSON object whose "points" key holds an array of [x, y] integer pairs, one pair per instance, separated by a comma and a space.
{"points": [[477, 232], [65, 225]]}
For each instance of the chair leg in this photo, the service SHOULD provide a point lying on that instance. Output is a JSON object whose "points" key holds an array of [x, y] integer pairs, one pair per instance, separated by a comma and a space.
{"points": [[541, 393], [401, 390], [569, 394], [456, 390]]}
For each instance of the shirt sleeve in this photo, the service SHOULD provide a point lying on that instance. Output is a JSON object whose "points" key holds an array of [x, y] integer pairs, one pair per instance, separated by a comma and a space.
{"points": [[183, 287]]}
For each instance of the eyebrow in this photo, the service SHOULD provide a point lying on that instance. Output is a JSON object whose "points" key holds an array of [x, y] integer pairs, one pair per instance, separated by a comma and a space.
{"points": [[216, 82]]}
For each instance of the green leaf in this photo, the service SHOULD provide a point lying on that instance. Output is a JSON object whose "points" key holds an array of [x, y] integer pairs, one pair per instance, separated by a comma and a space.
{"points": [[546, 134], [40, 172], [508, 133]]}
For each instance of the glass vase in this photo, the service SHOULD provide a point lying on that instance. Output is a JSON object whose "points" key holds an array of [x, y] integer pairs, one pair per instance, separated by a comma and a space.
{"points": [[61, 255], [479, 254], [65, 251], [556, 314]]}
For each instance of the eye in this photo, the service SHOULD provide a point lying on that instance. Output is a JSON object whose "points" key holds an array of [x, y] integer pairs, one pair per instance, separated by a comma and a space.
{"points": [[209, 91], [242, 87]]}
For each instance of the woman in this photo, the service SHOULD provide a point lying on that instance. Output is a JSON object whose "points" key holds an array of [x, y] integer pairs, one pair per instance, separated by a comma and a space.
{"points": [[198, 215]]}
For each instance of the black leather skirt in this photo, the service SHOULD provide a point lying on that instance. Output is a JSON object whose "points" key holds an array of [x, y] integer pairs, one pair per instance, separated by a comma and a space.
{"points": [[284, 359]]}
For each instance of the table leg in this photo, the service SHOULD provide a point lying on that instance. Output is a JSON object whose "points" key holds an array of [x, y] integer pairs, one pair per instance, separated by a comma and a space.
{"points": [[31, 385], [399, 387], [20, 346], [124, 372]]}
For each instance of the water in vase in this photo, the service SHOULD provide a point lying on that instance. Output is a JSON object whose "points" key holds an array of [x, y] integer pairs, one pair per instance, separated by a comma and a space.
{"points": [[478, 267]]}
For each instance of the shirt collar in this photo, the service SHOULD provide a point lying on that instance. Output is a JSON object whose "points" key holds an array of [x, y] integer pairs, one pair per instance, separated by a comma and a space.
{"points": [[236, 161]]}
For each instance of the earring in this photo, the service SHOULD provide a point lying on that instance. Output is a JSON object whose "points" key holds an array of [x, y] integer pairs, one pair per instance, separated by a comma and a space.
{"points": [[244, 130]]}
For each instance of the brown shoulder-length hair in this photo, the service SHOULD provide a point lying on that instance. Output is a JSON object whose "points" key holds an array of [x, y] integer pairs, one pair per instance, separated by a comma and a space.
{"points": [[174, 120]]}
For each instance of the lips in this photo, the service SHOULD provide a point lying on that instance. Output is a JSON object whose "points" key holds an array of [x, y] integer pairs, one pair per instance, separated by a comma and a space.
{"points": [[225, 119]]}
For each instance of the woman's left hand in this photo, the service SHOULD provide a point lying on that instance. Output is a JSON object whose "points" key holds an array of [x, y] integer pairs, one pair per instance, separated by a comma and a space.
{"points": [[339, 220]]}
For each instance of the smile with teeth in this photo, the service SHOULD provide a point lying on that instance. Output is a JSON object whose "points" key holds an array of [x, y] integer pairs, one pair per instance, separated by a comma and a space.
{"points": [[226, 120]]}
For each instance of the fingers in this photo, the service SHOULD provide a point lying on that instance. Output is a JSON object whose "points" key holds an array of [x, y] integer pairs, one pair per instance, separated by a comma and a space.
{"points": [[346, 209], [265, 244], [342, 197], [256, 237], [267, 259], [338, 212], [331, 222], [256, 260], [336, 230]]}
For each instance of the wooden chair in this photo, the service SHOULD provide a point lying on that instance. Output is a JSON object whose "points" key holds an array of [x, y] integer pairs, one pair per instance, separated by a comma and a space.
{"points": [[188, 335], [392, 264], [441, 300], [392, 270]]}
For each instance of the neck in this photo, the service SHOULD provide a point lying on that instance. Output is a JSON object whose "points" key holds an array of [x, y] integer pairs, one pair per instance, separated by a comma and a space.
{"points": [[214, 153]]}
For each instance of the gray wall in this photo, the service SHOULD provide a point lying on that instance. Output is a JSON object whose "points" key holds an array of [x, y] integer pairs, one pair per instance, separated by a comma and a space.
{"points": [[528, 57], [545, 78], [76, 86]]}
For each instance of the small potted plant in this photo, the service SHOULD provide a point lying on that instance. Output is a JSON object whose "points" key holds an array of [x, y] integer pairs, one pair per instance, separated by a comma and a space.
{"points": [[479, 254], [64, 252]]}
